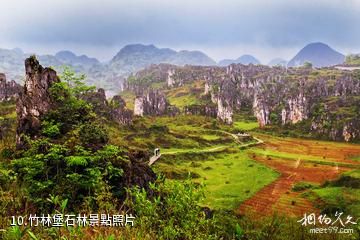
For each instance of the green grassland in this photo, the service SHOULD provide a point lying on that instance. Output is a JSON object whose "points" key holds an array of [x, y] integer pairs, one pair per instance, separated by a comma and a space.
{"points": [[342, 194], [308, 158], [230, 177], [129, 98], [188, 94], [204, 149]]}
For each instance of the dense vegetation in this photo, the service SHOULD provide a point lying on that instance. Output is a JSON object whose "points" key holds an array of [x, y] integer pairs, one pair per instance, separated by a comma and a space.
{"points": [[80, 164]]}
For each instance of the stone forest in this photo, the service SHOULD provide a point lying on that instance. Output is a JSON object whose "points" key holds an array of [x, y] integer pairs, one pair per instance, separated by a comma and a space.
{"points": [[214, 152]]}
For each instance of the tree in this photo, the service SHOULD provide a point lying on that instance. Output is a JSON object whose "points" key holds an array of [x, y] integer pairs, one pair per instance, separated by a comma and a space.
{"points": [[307, 64]]}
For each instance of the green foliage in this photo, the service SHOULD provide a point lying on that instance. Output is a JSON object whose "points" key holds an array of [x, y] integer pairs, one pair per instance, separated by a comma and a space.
{"points": [[238, 231], [92, 135], [50, 129], [71, 160], [75, 82], [307, 65], [353, 59], [48, 168], [300, 186], [174, 213]]}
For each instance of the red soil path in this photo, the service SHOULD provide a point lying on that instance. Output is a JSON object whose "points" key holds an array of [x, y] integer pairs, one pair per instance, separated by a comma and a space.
{"points": [[278, 197]]}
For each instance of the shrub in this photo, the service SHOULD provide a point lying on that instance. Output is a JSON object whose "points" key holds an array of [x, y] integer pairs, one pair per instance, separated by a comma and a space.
{"points": [[300, 186], [174, 213]]}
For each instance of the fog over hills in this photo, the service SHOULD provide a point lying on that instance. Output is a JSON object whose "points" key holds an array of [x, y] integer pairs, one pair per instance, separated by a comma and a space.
{"points": [[277, 62], [244, 59], [134, 57]]}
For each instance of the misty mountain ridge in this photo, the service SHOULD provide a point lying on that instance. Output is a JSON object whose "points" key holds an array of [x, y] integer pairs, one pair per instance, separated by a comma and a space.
{"points": [[134, 57], [70, 58], [319, 54], [244, 59]]}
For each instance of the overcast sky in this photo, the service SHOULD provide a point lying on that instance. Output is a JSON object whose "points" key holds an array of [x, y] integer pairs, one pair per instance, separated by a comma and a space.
{"points": [[221, 28]]}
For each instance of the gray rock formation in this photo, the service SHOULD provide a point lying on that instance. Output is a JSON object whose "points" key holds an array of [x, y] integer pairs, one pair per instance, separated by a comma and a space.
{"points": [[276, 95], [153, 103], [114, 110], [119, 112], [34, 100], [8, 90]]}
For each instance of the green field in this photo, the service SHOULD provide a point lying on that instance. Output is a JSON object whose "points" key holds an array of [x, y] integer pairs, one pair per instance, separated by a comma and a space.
{"points": [[229, 177]]}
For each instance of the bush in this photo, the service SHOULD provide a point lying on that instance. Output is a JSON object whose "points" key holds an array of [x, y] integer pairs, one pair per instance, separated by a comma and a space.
{"points": [[93, 136], [50, 129], [300, 186], [174, 213]]}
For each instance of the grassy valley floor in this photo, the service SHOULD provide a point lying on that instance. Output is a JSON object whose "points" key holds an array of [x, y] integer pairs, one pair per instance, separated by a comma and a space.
{"points": [[259, 178]]}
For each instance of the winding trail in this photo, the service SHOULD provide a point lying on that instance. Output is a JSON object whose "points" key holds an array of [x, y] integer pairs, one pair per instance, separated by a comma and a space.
{"points": [[154, 158]]}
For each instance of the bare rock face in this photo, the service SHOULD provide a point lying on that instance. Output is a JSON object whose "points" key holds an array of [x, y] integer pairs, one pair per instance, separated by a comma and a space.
{"points": [[119, 112], [139, 106], [295, 111], [34, 100], [261, 111], [224, 111], [114, 110], [137, 172], [170, 80], [98, 101], [153, 103], [275, 95], [338, 119], [8, 90]]}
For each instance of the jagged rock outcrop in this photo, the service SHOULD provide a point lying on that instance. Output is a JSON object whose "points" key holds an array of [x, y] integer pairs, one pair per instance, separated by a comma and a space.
{"points": [[295, 110], [114, 110], [119, 112], [153, 103], [275, 95], [34, 100], [8, 90], [170, 80], [261, 111], [98, 100], [337, 118], [224, 111]]}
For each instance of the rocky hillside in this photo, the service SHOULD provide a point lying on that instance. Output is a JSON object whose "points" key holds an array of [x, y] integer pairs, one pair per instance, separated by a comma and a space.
{"points": [[277, 62], [36, 99], [319, 54], [8, 90], [324, 102]]}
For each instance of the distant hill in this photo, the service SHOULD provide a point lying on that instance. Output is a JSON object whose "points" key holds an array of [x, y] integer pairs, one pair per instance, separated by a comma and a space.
{"points": [[129, 59], [277, 62], [12, 62], [137, 56], [71, 58], [244, 59], [191, 58], [319, 54]]}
